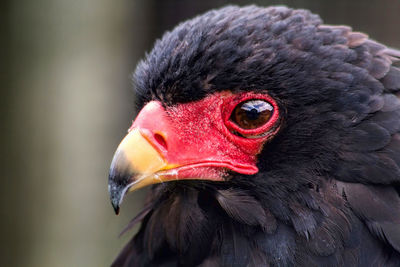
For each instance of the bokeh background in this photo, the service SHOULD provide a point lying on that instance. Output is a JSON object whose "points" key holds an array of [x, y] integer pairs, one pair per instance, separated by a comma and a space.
{"points": [[66, 102]]}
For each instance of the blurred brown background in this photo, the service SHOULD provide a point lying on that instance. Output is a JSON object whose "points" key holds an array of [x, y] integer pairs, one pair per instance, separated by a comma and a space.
{"points": [[66, 103]]}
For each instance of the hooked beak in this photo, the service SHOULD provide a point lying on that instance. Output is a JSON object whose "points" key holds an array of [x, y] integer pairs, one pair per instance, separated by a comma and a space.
{"points": [[135, 165]]}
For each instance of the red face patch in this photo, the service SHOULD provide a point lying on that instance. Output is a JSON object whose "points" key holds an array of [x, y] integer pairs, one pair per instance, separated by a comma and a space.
{"points": [[204, 134]]}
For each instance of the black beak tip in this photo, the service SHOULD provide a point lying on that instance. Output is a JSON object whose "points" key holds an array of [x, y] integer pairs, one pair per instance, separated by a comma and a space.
{"points": [[116, 209], [115, 200], [115, 196], [118, 184], [117, 188], [115, 192]]}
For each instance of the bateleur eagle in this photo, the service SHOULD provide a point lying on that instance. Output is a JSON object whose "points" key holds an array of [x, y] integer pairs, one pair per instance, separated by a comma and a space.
{"points": [[269, 139]]}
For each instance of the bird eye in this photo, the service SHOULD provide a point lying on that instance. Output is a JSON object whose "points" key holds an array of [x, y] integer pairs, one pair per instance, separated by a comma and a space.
{"points": [[252, 114]]}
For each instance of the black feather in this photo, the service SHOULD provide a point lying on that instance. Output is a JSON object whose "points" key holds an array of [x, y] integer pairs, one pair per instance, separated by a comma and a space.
{"points": [[379, 206], [235, 248], [188, 230], [392, 80], [280, 247], [245, 209], [367, 137]]}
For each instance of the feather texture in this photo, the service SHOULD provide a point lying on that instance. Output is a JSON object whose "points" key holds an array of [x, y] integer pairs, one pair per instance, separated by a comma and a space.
{"points": [[245, 209]]}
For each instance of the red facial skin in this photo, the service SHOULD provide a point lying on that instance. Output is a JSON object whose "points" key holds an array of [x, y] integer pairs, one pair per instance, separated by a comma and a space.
{"points": [[197, 137]]}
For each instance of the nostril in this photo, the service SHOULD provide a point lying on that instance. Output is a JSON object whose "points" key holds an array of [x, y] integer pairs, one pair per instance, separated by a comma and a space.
{"points": [[161, 140]]}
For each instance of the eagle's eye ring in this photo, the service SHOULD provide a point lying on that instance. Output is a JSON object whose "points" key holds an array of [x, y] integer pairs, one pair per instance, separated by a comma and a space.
{"points": [[252, 114]]}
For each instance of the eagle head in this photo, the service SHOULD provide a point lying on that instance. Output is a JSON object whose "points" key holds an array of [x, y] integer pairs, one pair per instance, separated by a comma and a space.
{"points": [[254, 126]]}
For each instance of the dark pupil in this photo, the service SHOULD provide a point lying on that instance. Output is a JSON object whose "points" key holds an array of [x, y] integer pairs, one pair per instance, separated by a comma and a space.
{"points": [[252, 114], [250, 118]]}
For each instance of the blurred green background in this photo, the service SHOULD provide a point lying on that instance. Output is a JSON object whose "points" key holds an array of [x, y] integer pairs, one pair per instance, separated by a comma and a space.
{"points": [[66, 102]]}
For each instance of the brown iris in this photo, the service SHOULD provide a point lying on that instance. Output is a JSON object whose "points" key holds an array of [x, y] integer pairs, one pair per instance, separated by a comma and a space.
{"points": [[252, 114]]}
